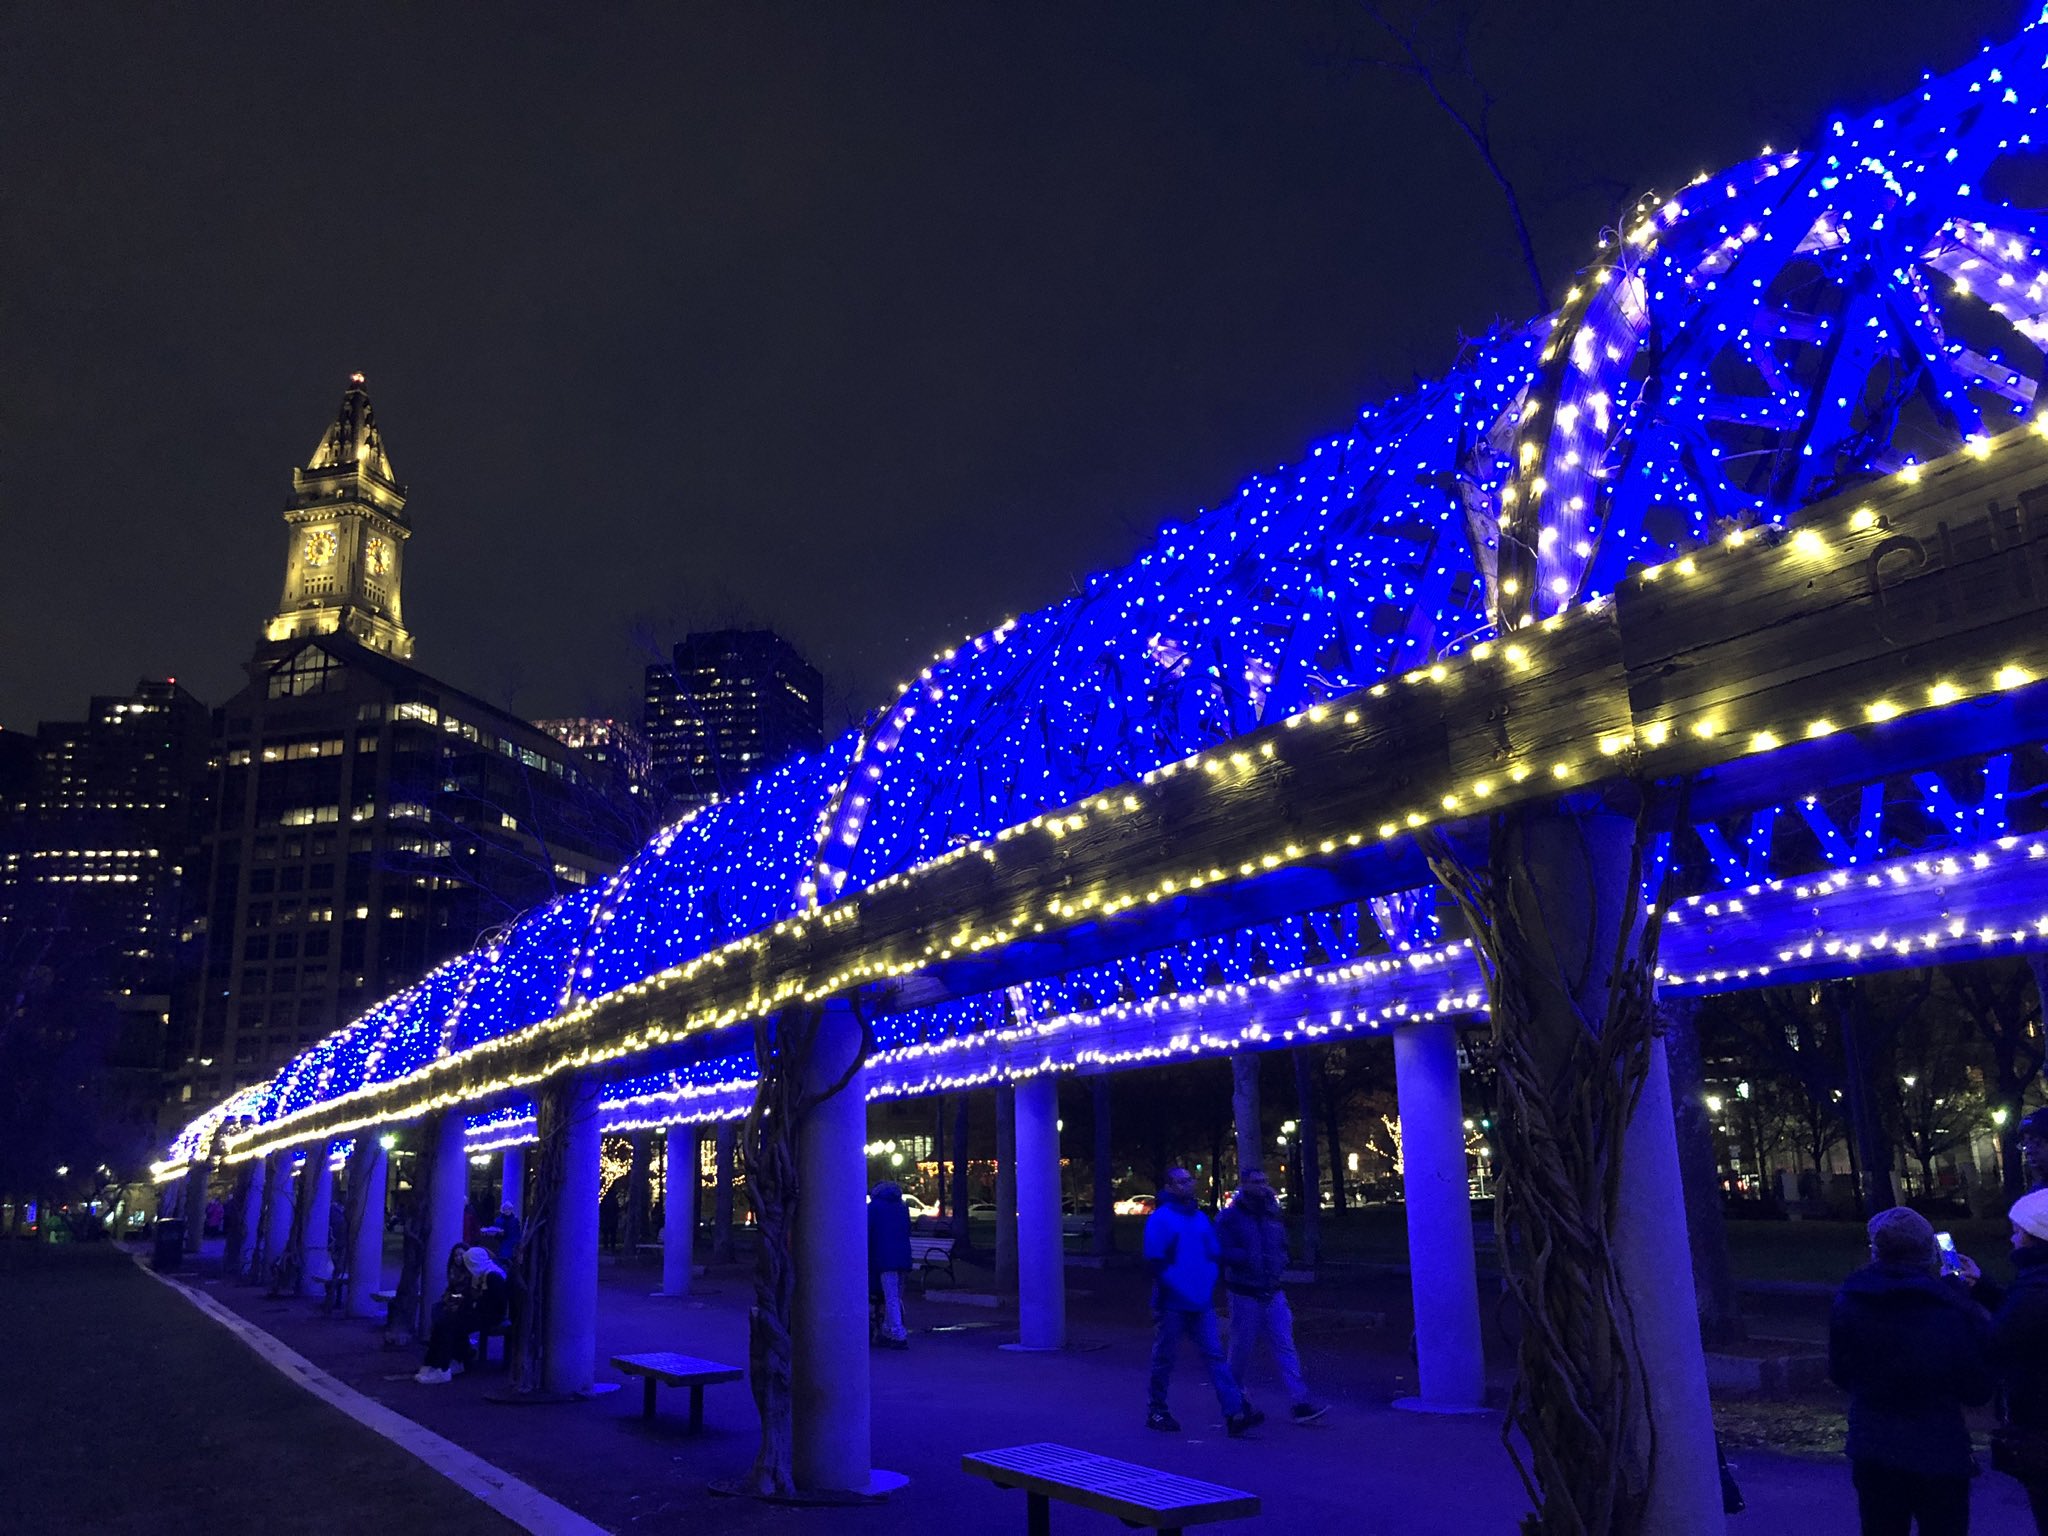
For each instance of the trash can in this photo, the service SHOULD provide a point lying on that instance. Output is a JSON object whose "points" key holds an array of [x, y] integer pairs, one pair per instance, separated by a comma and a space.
{"points": [[170, 1244]]}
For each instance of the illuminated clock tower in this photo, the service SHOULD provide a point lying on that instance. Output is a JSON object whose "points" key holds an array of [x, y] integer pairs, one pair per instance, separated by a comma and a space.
{"points": [[347, 528]]}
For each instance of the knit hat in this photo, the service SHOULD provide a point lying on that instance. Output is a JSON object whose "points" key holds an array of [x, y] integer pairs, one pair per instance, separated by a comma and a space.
{"points": [[478, 1262], [1901, 1236], [2030, 1214]]}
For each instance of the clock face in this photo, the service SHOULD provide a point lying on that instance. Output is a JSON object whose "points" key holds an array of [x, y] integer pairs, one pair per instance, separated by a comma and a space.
{"points": [[377, 556], [319, 547]]}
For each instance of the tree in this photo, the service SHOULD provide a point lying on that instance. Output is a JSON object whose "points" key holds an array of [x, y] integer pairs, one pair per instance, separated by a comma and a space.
{"points": [[1936, 1108], [2002, 1000]]}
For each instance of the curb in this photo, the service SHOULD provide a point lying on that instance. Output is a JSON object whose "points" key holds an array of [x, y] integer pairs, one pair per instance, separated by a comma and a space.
{"points": [[524, 1505]]}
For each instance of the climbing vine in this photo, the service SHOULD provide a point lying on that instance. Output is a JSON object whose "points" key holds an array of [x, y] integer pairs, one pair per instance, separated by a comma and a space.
{"points": [[770, 1143], [1573, 1025]]}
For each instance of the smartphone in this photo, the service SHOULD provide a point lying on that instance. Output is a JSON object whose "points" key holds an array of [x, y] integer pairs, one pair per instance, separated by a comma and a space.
{"points": [[1950, 1263]]}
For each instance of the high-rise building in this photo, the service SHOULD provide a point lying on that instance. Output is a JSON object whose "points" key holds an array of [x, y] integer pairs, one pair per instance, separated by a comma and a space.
{"points": [[97, 866], [371, 821], [615, 746], [734, 704]]}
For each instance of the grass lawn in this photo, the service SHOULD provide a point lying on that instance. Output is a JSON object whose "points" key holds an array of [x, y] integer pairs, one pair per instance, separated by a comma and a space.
{"points": [[126, 1410]]}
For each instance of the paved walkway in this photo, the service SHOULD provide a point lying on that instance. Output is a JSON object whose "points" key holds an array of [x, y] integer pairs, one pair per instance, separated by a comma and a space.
{"points": [[1366, 1468]]}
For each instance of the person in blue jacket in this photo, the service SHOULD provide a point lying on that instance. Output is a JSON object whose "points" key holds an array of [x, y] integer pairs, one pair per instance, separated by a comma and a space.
{"points": [[889, 1258], [1181, 1253]]}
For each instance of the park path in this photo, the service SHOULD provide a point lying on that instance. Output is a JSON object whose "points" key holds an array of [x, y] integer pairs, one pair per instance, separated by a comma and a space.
{"points": [[1367, 1469]]}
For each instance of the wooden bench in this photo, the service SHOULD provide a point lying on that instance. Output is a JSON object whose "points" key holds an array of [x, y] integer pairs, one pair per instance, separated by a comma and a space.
{"points": [[669, 1370], [1138, 1496], [932, 1251]]}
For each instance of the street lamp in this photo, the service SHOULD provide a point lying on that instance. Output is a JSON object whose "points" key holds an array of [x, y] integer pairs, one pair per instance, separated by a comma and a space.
{"points": [[1999, 1116], [1714, 1102]]}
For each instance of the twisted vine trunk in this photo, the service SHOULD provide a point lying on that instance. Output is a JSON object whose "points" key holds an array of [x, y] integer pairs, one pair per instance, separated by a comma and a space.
{"points": [[537, 1238], [291, 1264], [1570, 957], [770, 1144]]}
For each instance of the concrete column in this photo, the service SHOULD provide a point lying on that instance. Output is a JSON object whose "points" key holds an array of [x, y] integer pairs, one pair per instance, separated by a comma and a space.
{"points": [[447, 1192], [832, 1446], [512, 1180], [280, 1189], [1105, 1172], [1006, 1187], [678, 1210], [368, 1172], [569, 1344], [192, 1202], [1041, 1256], [244, 1257], [722, 1135], [1571, 890], [316, 1260], [1244, 1111], [1450, 1360], [1654, 1255]]}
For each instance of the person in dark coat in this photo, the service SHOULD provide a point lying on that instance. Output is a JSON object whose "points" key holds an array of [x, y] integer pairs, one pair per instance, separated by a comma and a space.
{"points": [[479, 1301], [1911, 1349], [1253, 1238], [2019, 1331], [889, 1258]]}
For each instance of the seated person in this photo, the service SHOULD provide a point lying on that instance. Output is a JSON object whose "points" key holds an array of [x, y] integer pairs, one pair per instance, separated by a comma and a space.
{"points": [[477, 1301]]}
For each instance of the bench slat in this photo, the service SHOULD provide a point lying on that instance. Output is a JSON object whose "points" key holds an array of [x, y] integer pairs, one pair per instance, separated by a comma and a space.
{"points": [[676, 1370], [1141, 1495]]}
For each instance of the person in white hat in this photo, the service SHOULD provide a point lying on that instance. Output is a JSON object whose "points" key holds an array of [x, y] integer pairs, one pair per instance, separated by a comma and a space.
{"points": [[2019, 1342]]}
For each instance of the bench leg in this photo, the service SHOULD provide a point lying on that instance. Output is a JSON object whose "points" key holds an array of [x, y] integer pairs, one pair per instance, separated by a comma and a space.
{"points": [[696, 1410], [1037, 1515], [647, 1397]]}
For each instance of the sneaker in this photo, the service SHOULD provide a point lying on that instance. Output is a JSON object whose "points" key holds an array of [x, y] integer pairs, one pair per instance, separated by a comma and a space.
{"points": [[1160, 1419], [1246, 1418], [430, 1377], [1308, 1413]]}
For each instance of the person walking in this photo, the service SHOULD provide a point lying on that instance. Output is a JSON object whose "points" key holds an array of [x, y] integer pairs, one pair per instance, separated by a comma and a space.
{"points": [[504, 1235], [1911, 1349], [889, 1259], [1254, 1241], [2033, 1139], [1181, 1253]]}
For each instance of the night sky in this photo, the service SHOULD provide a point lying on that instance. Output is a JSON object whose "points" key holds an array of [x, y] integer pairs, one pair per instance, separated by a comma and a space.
{"points": [[873, 323]]}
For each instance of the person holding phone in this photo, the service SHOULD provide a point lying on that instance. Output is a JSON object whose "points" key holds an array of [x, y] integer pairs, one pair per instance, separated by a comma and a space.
{"points": [[1912, 1350], [2019, 1343]]}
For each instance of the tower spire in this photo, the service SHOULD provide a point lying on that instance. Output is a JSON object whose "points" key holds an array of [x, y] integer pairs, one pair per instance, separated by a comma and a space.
{"points": [[352, 438], [346, 530]]}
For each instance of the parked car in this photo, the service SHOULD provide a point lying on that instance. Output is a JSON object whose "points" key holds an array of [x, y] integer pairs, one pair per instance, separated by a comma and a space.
{"points": [[920, 1208], [1135, 1205]]}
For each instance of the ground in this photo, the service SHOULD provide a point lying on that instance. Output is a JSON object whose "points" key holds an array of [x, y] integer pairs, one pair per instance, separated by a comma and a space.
{"points": [[193, 1414], [126, 1410]]}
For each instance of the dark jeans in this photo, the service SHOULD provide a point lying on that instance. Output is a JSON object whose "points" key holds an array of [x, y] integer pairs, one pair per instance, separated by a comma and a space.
{"points": [[449, 1334], [1889, 1501], [2037, 1501], [1168, 1324]]}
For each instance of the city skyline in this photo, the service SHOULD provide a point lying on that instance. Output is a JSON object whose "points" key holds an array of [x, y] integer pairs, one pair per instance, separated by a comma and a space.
{"points": [[734, 361]]}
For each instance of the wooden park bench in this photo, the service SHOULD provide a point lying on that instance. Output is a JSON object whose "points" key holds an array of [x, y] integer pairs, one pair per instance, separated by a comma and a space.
{"points": [[669, 1370], [1138, 1496], [929, 1252]]}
